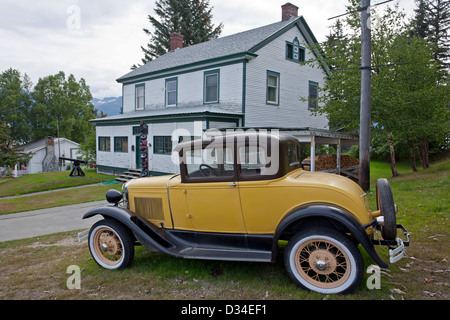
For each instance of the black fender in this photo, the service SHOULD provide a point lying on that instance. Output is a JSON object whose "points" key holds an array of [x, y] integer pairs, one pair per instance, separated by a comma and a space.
{"points": [[141, 230], [115, 212], [336, 216]]}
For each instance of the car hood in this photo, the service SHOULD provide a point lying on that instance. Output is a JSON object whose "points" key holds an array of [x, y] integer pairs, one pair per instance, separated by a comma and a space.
{"points": [[150, 182]]}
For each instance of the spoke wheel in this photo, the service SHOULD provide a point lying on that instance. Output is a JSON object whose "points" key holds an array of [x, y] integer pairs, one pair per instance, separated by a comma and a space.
{"points": [[108, 246], [111, 244], [322, 263], [325, 261]]}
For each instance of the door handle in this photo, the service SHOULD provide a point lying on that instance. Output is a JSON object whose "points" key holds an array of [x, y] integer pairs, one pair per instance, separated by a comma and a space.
{"points": [[233, 184]]}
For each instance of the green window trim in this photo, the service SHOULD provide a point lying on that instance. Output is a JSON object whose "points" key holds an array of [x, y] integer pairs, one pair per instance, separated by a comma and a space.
{"points": [[211, 89], [171, 92], [104, 144], [313, 94], [162, 145], [121, 144], [139, 96], [273, 88], [294, 51]]}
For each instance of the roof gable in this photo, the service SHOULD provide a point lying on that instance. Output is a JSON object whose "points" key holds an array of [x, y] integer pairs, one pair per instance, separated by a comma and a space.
{"points": [[237, 46]]}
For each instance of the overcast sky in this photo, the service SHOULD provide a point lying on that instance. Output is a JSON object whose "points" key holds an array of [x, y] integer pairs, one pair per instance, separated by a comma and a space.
{"points": [[99, 40]]}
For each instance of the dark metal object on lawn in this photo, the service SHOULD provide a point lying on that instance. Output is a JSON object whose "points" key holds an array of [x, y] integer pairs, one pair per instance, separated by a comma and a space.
{"points": [[76, 167]]}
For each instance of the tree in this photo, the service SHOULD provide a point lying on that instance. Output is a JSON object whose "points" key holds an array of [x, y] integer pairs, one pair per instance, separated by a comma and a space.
{"points": [[62, 108], [413, 105], [431, 22], [8, 154], [191, 18], [15, 104], [408, 102]]}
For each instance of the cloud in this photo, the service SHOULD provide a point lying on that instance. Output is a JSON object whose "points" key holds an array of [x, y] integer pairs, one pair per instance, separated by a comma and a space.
{"points": [[101, 43], [40, 38]]}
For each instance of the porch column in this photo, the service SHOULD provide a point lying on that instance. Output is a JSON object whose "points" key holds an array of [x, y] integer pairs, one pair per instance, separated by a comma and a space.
{"points": [[338, 159], [313, 153]]}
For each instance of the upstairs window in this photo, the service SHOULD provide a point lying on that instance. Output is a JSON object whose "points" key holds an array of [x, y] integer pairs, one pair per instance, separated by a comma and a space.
{"points": [[171, 91], [140, 97], [294, 51], [273, 88], [313, 95], [211, 86]]}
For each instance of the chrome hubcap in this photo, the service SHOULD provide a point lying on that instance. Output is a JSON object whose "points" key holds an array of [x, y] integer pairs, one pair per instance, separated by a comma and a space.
{"points": [[321, 265]]}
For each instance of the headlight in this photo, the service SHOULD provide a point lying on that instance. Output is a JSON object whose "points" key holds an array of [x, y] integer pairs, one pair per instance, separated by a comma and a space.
{"points": [[125, 194]]}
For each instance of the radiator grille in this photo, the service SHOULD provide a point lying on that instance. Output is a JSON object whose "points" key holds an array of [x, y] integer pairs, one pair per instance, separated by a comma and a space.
{"points": [[150, 208]]}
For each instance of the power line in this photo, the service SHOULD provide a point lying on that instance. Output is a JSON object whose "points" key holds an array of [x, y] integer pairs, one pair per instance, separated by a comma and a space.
{"points": [[360, 9]]}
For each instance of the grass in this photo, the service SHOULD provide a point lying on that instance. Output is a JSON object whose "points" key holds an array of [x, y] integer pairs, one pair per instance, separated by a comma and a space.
{"points": [[36, 268], [56, 199], [48, 181]]}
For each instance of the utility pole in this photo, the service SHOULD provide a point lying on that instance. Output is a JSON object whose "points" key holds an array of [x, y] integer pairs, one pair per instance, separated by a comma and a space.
{"points": [[364, 122]]}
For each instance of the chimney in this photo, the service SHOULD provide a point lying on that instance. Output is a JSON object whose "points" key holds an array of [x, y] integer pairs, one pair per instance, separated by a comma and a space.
{"points": [[288, 11], [176, 41]]}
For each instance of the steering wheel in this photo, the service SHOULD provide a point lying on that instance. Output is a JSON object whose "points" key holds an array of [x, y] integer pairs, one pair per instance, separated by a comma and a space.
{"points": [[203, 167]]}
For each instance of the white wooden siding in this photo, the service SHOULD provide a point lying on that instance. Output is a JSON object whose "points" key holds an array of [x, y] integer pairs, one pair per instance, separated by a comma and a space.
{"points": [[190, 90], [294, 83], [157, 162]]}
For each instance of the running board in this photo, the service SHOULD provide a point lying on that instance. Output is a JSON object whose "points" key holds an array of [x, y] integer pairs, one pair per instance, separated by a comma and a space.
{"points": [[205, 245], [228, 255]]}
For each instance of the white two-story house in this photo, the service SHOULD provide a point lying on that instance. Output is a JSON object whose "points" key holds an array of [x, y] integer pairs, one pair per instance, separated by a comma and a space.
{"points": [[250, 79]]}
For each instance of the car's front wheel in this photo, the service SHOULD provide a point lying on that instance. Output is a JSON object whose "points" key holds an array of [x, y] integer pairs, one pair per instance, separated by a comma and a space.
{"points": [[325, 261], [111, 244]]}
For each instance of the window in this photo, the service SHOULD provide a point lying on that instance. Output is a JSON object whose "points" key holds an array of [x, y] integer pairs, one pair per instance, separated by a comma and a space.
{"points": [[136, 131], [252, 160], [171, 91], [273, 87], [140, 97], [211, 163], [211, 86], [162, 145], [293, 154], [289, 50], [294, 51], [104, 144], [120, 144], [313, 94]]}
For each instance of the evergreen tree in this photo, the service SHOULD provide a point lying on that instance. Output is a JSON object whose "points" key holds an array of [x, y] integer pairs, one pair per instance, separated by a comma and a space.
{"points": [[431, 22], [191, 18]]}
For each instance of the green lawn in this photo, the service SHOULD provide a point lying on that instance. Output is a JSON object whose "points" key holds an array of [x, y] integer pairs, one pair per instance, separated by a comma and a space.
{"points": [[423, 200], [48, 181]]}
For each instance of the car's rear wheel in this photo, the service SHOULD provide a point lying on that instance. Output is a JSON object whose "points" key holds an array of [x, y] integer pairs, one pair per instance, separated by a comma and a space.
{"points": [[111, 244], [325, 261], [385, 203]]}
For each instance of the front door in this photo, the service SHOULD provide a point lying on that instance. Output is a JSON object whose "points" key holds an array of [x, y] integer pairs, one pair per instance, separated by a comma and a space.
{"points": [[212, 195]]}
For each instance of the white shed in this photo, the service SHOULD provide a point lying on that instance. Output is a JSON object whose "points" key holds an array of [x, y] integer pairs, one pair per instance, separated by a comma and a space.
{"points": [[45, 153]]}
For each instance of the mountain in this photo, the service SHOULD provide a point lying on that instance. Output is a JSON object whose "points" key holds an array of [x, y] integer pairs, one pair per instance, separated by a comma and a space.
{"points": [[111, 106]]}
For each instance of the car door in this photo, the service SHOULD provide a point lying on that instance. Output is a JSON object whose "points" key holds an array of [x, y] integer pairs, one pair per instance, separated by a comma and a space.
{"points": [[212, 195]]}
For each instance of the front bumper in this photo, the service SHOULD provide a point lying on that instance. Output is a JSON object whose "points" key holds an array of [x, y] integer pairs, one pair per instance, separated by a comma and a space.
{"points": [[397, 246]]}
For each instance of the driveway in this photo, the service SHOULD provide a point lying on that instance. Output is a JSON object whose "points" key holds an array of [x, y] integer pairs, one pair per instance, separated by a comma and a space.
{"points": [[46, 221]]}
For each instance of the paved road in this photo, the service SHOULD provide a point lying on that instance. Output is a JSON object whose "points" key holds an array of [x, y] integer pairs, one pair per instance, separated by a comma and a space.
{"points": [[46, 221]]}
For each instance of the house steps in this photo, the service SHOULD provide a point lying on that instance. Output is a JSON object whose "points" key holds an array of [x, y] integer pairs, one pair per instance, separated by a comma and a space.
{"points": [[129, 175]]}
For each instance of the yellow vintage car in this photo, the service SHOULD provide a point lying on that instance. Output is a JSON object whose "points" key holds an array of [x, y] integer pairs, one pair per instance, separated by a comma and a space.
{"points": [[236, 197]]}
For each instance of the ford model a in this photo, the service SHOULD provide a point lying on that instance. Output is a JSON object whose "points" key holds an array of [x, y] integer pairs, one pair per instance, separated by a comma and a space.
{"points": [[235, 198]]}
